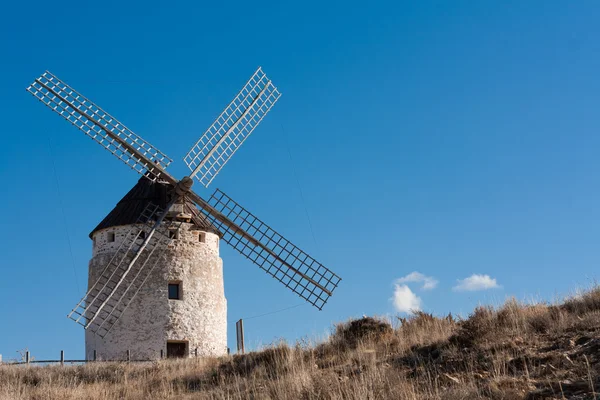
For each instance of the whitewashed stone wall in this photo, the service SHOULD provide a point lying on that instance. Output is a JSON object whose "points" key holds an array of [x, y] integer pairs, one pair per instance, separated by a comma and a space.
{"points": [[151, 319]]}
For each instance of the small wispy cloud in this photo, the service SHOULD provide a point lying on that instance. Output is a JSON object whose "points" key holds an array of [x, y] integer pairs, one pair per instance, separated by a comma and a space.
{"points": [[476, 282], [404, 300], [428, 281]]}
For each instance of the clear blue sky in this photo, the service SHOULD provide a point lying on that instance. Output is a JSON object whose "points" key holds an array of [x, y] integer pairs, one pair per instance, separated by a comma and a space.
{"points": [[448, 138]]}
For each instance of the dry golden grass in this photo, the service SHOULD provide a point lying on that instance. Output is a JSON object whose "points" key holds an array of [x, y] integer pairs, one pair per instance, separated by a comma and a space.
{"points": [[517, 351]]}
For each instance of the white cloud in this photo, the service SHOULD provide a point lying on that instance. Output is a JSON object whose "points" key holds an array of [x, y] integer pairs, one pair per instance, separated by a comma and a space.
{"points": [[476, 282], [405, 300], [428, 281]]}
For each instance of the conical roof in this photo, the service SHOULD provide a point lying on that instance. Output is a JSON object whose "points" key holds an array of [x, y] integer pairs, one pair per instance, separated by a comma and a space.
{"points": [[130, 207]]}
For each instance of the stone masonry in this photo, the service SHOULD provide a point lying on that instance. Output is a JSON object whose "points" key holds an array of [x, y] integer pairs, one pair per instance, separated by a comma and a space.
{"points": [[198, 319]]}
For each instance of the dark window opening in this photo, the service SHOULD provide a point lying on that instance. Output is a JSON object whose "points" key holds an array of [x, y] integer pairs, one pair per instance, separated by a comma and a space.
{"points": [[175, 291], [142, 235], [202, 237], [173, 234], [111, 236], [176, 349]]}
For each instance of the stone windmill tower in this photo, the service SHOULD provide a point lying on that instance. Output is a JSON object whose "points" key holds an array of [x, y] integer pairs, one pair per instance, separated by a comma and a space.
{"points": [[181, 308], [155, 282]]}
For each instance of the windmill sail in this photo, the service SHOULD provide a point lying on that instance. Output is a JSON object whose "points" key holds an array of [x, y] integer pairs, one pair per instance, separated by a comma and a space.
{"points": [[222, 139], [99, 125], [273, 253], [124, 275]]}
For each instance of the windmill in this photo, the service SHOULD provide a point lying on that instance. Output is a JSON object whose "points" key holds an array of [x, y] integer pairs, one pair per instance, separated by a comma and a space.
{"points": [[163, 228]]}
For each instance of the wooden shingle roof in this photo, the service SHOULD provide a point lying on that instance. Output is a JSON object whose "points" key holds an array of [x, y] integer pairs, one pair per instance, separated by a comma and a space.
{"points": [[130, 207]]}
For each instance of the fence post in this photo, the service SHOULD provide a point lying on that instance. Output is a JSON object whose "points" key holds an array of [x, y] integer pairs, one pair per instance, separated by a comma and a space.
{"points": [[27, 357], [239, 331], [62, 357], [128, 355]]}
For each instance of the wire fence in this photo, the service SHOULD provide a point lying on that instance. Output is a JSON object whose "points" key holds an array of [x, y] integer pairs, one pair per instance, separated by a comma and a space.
{"points": [[26, 359], [61, 362]]}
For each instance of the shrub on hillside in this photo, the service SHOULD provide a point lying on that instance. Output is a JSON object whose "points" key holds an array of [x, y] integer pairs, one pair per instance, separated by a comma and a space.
{"points": [[482, 321], [584, 303], [351, 333], [268, 363]]}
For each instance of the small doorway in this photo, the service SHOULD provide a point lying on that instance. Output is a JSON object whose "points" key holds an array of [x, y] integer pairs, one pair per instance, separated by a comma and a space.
{"points": [[176, 349]]}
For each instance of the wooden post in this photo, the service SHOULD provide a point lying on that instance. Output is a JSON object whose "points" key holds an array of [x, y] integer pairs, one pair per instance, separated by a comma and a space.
{"points": [[128, 355], [62, 357], [27, 357], [94, 355], [239, 331]]}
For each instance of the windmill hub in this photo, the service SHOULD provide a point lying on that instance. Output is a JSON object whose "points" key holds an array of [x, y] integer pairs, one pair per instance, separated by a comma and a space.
{"points": [[184, 185]]}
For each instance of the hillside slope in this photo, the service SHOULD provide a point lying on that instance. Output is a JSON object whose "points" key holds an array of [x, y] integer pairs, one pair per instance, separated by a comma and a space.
{"points": [[514, 352]]}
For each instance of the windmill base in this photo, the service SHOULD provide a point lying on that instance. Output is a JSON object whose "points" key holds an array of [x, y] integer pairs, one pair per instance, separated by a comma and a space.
{"points": [[180, 311]]}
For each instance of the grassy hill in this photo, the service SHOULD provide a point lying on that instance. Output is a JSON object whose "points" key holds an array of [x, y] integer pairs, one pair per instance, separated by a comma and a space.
{"points": [[517, 351]]}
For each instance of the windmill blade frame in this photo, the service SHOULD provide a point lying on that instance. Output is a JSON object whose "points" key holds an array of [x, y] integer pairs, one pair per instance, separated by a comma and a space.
{"points": [[272, 252], [103, 328], [80, 313], [231, 128], [96, 123], [107, 293]]}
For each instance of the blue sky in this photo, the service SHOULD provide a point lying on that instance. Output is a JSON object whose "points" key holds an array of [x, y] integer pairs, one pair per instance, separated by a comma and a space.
{"points": [[445, 138]]}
